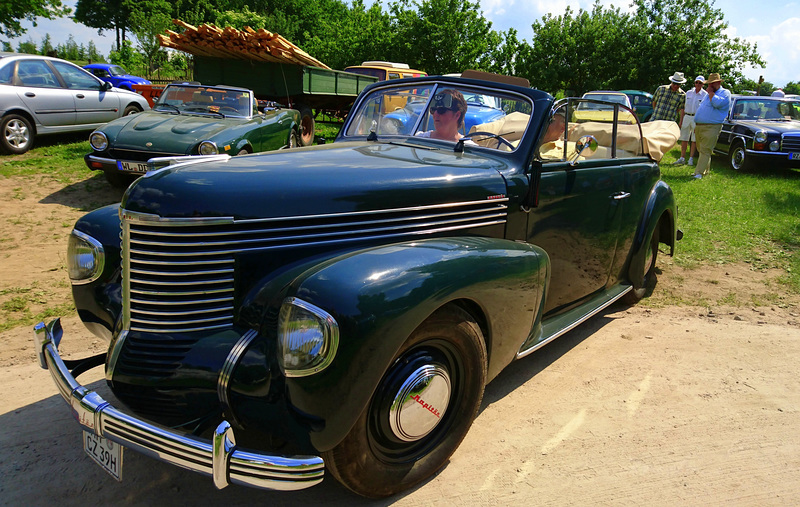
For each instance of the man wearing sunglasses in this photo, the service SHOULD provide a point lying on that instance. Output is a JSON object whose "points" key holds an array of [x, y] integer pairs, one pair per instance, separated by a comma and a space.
{"points": [[448, 108]]}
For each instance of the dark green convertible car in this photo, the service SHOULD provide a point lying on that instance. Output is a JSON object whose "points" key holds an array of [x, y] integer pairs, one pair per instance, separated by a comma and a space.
{"points": [[342, 307], [190, 119]]}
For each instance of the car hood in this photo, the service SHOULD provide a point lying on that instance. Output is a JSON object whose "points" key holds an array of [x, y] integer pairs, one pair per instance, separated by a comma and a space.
{"points": [[780, 126], [337, 178], [169, 132]]}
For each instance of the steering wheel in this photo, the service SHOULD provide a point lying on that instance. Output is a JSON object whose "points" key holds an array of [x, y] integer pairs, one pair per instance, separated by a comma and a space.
{"points": [[500, 139]]}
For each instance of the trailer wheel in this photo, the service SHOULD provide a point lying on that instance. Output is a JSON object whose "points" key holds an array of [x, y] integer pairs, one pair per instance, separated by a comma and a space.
{"points": [[306, 126]]}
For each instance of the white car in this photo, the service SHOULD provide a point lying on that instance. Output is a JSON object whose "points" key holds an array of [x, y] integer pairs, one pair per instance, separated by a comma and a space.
{"points": [[41, 95]]}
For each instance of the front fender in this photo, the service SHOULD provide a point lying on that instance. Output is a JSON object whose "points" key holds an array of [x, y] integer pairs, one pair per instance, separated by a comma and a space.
{"points": [[660, 212], [380, 295], [99, 303]]}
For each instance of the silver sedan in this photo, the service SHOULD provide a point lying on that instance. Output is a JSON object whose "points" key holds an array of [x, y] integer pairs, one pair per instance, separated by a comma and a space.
{"points": [[40, 95]]}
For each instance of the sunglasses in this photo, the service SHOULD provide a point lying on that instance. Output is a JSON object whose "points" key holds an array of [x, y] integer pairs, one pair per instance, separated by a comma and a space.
{"points": [[441, 110]]}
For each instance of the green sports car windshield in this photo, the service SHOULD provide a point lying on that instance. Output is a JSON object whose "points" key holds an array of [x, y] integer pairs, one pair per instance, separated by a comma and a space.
{"points": [[206, 100]]}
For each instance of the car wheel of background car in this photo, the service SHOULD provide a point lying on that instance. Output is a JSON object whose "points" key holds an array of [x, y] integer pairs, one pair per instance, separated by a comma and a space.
{"points": [[420, 411], [119, 180], [738, 157], [243, 151], [648, 276], [131, 109], [17, 135], [306, 126]]}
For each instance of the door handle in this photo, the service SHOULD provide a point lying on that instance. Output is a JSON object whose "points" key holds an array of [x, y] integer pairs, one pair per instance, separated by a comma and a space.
{"points": [[621, 195], [80, 95], [30, 94]]}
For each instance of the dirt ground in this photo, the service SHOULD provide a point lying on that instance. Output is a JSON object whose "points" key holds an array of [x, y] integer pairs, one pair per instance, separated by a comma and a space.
{"points": [[660, 403]]}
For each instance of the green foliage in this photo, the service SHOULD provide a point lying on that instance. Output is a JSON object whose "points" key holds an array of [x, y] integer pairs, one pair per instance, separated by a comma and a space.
{"points": [[126, 56], [792, 88], [13, 12], [28, 47]]}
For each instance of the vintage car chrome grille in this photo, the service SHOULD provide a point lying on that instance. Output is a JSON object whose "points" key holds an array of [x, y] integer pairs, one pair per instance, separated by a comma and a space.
{"points": [[178, 273], [790, 142], [137, 155]]}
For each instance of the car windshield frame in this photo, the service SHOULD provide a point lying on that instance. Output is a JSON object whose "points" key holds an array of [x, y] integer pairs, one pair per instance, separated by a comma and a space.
{"points": [[227, 102], [499, 112], [116, 70]]}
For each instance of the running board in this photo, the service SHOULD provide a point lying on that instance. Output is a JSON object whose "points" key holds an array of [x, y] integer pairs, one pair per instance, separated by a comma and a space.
{"points": [[554, 328]]}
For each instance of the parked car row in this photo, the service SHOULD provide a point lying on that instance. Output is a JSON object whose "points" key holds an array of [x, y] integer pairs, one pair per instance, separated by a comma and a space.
{"points": [[40, 95]]}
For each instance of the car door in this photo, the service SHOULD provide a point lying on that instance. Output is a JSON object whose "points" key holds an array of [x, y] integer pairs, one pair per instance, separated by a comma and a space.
{"points": [[577, 221], [39, 89], [93, 105]]}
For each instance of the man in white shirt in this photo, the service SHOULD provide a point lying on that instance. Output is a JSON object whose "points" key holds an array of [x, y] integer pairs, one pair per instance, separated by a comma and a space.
{"points": [[693, 99]]}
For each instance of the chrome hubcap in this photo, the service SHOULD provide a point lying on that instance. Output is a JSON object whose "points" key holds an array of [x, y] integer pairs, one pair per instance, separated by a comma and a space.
{"points": [[16, 134], [420, 403]]}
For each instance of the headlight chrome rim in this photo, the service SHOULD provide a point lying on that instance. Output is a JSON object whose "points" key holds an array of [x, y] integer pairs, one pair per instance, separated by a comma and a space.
{"points": [[94, 248], [327, 327], [760, 137], [207, 148], [99, 141]]}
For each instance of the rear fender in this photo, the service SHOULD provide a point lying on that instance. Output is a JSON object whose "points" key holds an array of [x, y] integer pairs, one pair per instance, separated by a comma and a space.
{"points": [[659, 212], [379, 296]]}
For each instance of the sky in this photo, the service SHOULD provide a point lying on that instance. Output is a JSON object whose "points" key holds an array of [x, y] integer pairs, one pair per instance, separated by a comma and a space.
{"points": [[774, 27]]}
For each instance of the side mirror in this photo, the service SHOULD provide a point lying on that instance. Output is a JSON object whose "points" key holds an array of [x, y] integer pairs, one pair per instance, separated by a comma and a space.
{"points": [[585, 146], [106, 86]]}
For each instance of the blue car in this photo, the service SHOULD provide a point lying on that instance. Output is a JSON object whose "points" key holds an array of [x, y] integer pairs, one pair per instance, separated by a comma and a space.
{"points": [[115, 75]]}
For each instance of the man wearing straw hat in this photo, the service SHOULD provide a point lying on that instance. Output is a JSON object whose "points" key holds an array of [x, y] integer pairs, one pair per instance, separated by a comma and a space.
{"points": [[708, 121], [668, 100]]}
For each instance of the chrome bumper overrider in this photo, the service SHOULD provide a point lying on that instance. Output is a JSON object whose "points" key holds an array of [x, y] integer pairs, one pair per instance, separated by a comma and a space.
{"points": [[219, 458]]}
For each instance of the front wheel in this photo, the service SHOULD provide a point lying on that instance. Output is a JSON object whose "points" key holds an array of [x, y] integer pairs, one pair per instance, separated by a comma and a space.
{"points": [[17, 134], [420, 411], [131, 109], [739, 161], [307, 126]]}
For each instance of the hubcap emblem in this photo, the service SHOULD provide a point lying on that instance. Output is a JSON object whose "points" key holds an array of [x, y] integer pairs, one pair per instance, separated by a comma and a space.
{"points": [[420, 403]]}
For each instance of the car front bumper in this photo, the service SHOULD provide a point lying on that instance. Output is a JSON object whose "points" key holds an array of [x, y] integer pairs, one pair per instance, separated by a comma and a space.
{"points": [[218, 458]]}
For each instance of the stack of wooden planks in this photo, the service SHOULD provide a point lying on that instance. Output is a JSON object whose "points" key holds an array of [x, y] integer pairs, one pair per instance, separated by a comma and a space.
{"points": [[228, 42]]}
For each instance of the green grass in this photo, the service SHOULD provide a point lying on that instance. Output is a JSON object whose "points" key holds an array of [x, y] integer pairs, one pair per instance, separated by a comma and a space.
{"points": [[730, 216]]}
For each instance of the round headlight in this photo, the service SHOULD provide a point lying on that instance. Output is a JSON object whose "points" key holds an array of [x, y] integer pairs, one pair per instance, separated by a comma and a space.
{"points": [[85, 258], [207, 148], [774, 145], [761, 136], [307, 338], [99, 141]]}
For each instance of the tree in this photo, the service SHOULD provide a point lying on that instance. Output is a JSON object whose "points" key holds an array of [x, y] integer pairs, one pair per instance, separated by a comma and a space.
{"points": [[13, 12], [105, 15], [792, 88], [440, 36], [28, 47], [148, 21], [47, 46]]}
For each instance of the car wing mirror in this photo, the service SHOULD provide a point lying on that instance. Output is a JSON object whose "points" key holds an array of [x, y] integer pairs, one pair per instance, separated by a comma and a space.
{"points": [[584, 147], [106, 86]]}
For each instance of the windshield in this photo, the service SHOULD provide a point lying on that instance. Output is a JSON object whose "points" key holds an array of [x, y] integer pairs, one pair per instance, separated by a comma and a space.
{"points": [[206, 100], [443, 111], [116, 70], [766, 109], [606, 97]]}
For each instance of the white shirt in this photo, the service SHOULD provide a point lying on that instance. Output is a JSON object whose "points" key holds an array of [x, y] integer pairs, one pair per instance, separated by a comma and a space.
{"points": [[693, 100]]}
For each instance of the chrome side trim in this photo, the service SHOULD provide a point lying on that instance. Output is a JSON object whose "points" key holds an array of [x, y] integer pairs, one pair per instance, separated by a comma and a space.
{"points": [[113, 354], [234, 356], [582, 315], [219, 459]]}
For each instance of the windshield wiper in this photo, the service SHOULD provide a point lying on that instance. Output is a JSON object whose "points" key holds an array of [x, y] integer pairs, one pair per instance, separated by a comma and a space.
{"points": [[178, 111]]}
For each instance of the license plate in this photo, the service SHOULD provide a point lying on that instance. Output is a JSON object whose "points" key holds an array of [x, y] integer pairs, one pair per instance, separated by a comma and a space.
{"points": [[794, 156], [131, 167], [105, 453]]}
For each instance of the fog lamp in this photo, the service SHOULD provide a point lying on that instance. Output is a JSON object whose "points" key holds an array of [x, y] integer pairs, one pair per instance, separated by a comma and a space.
{"points": [[774, 146]]}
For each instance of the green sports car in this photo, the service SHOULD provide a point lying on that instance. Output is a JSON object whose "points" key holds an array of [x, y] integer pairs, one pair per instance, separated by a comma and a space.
{"points": [[190, 119]]}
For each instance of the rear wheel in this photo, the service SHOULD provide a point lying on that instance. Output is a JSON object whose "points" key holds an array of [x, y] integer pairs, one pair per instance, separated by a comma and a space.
{"points": [[17, 134], [131, 109], [739, 161], [420, 412], [307, 126], [648, 274]]}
